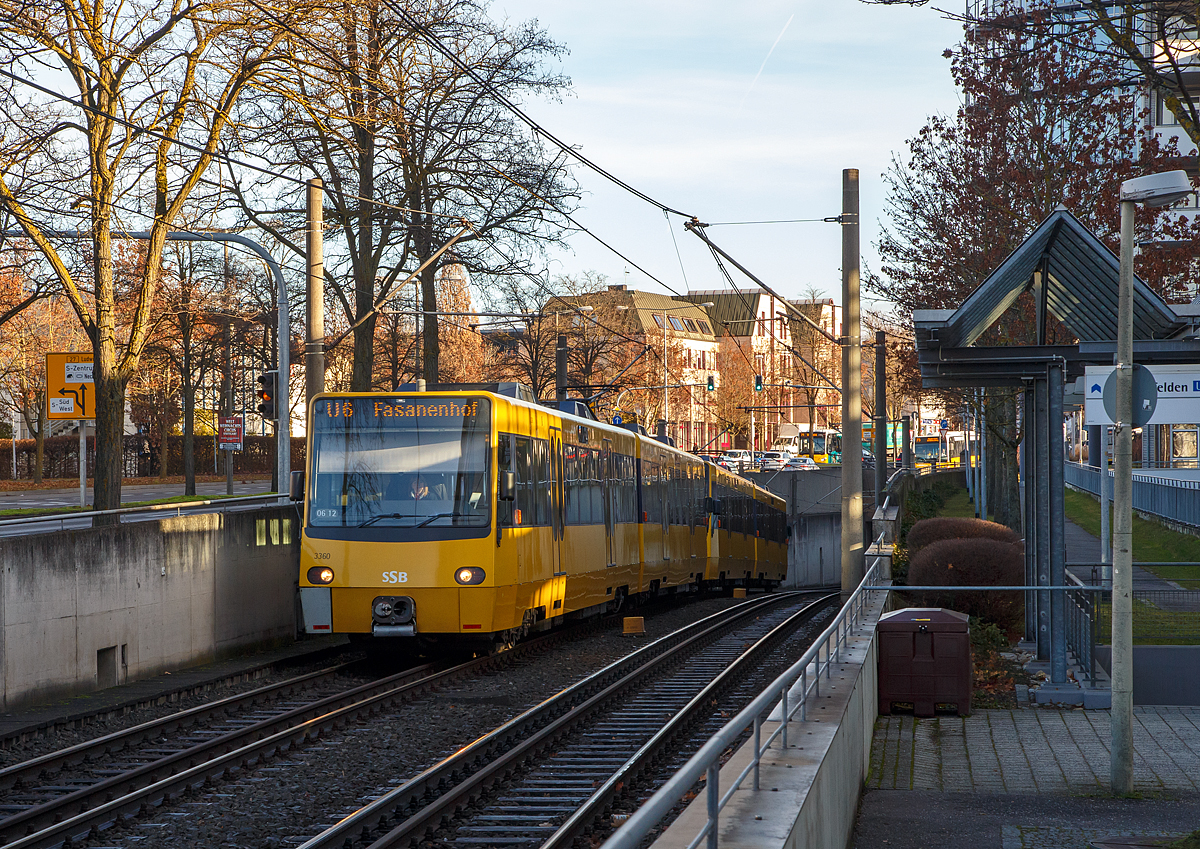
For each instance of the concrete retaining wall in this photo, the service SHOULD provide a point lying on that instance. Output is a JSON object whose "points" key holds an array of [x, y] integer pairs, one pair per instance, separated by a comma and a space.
{"points": [[1162, 675], [85, 609]]}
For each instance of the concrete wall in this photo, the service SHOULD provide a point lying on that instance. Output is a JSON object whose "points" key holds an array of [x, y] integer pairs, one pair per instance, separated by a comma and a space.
{"points": [[1162, 675], [89, 608], [815, 551], [815, 515]]}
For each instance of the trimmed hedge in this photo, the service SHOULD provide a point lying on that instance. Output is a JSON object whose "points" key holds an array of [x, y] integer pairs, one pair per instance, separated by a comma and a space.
{"points": [[141, 456], [929, 531], [978, 561]]}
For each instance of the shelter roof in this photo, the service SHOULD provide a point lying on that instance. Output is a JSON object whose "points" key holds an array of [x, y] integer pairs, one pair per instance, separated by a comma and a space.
{"points": [[1073, 276]]}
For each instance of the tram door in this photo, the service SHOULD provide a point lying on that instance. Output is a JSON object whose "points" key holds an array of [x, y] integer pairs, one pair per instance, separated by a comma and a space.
{"points": [[608, 489], [556, 519]]}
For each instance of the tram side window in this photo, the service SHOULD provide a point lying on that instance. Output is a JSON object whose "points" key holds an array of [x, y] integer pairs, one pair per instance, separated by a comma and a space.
{"points": [[579, 500], [596, 485], [505, 464], [651, 495], [626, 500], [541, 470], [571, 484], [525, 506]]}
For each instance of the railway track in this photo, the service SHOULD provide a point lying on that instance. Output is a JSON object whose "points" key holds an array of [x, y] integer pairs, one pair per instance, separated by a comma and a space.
{"points": [[79, 791], [547, 776]]}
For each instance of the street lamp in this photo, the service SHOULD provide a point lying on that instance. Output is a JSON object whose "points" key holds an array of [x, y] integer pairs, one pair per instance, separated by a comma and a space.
{"points": [[1152, 190]]}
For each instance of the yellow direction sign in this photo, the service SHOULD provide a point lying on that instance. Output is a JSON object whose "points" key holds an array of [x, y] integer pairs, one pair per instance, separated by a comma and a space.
{"points": [[70, 390]]}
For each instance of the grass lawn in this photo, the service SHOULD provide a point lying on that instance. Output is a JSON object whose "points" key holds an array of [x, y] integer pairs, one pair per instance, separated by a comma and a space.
{"points": [[1152, 543], [958, 505], [1152, 626]]}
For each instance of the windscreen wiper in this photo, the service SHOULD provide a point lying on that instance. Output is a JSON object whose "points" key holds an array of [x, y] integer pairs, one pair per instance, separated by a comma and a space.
{"points": [[451, 515], [425, 521], [376, 518]]}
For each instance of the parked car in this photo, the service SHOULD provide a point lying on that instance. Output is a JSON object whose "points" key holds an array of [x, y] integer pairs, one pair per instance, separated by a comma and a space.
{"points": [[802, 464], [736, 459], [773, 461]]}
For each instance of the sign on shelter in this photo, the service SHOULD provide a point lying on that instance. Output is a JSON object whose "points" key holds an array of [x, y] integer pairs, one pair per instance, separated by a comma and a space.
{"points": [[1162, 394]]}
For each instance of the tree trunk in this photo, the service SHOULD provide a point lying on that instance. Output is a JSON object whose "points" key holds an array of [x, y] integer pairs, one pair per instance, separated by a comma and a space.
{"points": [[429, 335], [1004, 492], [110, 420], [189, 421], [364, 353], [39, 459], [164, 431]]}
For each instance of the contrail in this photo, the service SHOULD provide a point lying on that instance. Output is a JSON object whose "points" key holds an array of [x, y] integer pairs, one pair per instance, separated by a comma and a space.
{"points": [[763, 65]]}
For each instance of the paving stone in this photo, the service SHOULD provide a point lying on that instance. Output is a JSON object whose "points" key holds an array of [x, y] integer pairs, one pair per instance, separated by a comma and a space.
{"points": [[1024, 751]]}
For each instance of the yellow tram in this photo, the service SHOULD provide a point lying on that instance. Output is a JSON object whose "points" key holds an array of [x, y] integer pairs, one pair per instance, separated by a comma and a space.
{"points": [[473, 513]]}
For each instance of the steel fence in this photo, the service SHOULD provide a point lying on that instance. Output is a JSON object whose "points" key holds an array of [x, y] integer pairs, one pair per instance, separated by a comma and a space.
{"points": [[1167, 498], [1082, 628]]}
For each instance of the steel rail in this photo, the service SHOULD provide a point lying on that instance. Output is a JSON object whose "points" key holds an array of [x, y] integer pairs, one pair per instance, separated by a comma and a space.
{"points": [[124, 795], [781, 697], [695, 710], [22, 772], [516, 740]]}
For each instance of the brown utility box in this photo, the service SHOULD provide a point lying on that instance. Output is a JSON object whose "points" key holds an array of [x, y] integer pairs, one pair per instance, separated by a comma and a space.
{"points": [[925, 658]]}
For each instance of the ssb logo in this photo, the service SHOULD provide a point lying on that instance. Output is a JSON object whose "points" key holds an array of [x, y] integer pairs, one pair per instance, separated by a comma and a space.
{"points": [[395, 577]]}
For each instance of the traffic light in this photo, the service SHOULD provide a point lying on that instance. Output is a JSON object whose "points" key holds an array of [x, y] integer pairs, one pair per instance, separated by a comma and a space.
{"points": [[269, 383], [758, 384], [712, 383]]}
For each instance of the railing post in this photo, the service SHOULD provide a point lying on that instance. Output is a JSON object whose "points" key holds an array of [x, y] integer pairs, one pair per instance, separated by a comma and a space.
{"points": [[713, 780], [783, 736], [804, 689], [757, 747]]}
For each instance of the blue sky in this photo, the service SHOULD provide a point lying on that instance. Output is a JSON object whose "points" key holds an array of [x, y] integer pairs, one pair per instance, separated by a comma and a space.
{"points": [[665, 96]]}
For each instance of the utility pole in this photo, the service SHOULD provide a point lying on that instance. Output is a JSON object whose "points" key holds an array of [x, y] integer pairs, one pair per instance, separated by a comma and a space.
{"points": [[1121, 759], [560, 367], [852, 507], [881, 419], [314, 348], [227, 378]]}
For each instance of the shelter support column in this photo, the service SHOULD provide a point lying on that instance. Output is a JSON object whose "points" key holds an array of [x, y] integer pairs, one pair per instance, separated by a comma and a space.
{"points": [[1041, 513], [1029, 505], [1057, 526]]}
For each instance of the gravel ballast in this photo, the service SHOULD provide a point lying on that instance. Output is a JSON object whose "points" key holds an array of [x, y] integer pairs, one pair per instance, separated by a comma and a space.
{"points": [[285, 801]]}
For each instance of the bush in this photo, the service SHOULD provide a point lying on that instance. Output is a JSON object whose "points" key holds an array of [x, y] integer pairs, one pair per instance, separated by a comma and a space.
{"points": [[973, 562], [929, 531]]}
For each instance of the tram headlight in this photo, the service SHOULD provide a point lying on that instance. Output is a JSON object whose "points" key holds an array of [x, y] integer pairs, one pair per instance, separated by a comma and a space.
{"points": [[469, 575], [320, 575]]}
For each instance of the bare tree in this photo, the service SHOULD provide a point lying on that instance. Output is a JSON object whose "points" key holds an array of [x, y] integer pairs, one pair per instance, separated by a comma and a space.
{"points": [[413, 146], [153, 85]]}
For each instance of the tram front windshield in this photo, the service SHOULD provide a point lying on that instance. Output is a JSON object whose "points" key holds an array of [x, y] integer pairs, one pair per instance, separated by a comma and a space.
{"points": [[400, 463]]}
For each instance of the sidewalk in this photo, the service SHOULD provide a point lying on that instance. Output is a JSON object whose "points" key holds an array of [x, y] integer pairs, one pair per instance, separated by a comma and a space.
{"points": [[1026, 779], [1082, 547]]}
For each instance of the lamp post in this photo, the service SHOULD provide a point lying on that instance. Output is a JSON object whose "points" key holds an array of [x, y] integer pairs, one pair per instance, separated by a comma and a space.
{"points": [[1152, 190]]}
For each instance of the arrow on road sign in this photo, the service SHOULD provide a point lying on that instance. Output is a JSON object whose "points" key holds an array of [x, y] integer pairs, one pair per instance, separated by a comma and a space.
{"points": [[80, 396]]}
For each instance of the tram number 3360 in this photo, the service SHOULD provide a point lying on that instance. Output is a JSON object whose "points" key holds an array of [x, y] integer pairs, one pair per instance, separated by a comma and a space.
{"points": [[395, 577]]}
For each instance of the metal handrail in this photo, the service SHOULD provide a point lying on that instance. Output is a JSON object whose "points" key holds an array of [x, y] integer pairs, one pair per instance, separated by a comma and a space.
{"points": [[178, 507], [707, 761]]}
